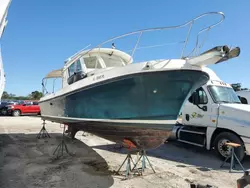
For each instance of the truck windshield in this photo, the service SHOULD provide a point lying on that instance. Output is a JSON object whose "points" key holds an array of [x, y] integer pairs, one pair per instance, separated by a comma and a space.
{"points": [[223, 94]]}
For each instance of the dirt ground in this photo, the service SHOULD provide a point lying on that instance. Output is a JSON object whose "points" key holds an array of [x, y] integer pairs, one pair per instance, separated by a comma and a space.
{"points": [[26, 161]]}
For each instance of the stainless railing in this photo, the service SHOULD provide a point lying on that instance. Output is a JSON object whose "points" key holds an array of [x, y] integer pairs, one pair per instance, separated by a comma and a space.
{"points": [[194, 51]]}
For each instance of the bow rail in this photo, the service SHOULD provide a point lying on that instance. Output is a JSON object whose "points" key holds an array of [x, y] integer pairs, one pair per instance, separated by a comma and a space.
{"points": [[195, 50]]}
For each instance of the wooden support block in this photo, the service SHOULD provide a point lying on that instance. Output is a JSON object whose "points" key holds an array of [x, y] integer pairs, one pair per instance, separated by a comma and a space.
{"points": [[235, 145]]}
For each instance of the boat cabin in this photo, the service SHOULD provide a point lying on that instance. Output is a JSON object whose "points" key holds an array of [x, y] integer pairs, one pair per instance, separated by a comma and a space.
{"points": [[88, 63]]}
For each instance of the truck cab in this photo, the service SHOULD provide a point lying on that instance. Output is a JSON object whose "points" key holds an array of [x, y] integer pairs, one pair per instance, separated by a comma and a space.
{"points": [[244, 96], [214, 115]]}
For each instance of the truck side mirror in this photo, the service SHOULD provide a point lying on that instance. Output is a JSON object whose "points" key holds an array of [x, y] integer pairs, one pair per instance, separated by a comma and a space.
{"points": [[243, 100], [196, 100], [193, 98]]}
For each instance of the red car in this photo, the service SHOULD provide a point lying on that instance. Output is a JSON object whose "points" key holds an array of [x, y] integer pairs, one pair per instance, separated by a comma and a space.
{"points": [[23, 109]]}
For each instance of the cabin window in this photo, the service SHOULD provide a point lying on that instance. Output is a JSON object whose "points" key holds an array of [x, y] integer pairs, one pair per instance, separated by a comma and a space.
{"points": [[71, 69], [113, 62], [78, 66], [92, 63], [75, 72], [75, 67]]}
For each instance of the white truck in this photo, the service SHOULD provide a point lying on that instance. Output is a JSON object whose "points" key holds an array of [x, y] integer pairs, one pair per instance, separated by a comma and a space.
{"points": [[214, 115], [244, 96]]}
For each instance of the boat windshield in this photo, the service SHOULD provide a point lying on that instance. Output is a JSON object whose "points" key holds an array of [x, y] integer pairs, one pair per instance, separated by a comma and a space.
{"points": [[113, 61], [92, 63], [223, 94]]}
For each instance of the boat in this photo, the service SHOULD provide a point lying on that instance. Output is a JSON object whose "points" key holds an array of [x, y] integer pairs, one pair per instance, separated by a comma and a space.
{"points": [[106, 93], [4, 6]]}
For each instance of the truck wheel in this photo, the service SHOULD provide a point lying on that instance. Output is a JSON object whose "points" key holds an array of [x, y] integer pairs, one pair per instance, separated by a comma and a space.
{"points": [[224, 151], [16, 113]]}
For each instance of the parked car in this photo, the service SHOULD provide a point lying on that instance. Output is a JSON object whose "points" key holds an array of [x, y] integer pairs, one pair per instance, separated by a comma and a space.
{"points": [[23, 109], [4, 106]]}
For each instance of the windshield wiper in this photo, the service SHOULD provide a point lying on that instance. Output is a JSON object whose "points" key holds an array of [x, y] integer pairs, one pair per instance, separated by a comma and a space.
{"points": [[230, 102], [224, 101]]}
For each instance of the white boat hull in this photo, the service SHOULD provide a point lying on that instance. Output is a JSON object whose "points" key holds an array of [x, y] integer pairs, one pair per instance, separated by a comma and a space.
{"points": [[141, 107]]}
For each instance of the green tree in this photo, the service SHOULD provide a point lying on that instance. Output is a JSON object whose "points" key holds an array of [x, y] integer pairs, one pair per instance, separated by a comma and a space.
{"points": [[5, 95], [36, 95]]}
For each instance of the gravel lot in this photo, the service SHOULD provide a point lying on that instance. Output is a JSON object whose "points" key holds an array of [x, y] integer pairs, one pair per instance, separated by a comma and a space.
{"points": [[26, 161]]}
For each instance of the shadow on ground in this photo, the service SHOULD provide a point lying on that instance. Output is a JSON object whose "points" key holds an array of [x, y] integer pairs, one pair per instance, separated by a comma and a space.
{"points": [[26, 161], [183, 153]]}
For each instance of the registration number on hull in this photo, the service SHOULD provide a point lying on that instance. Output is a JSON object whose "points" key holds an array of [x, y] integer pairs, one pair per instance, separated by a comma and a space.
{"points": [[98, 77]]}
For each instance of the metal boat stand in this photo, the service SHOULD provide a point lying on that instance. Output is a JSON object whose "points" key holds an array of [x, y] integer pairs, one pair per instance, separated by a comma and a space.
{"points": [[233, 156], [61, 147], [127, 160], [43, 132], [143, 157]]}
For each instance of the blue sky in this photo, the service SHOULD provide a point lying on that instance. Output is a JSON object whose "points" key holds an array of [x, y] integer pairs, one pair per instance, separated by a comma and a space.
{"points": [[41, 34]]}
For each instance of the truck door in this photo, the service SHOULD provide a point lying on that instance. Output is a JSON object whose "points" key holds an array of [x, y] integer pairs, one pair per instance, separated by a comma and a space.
{"points": [[197, 110]]}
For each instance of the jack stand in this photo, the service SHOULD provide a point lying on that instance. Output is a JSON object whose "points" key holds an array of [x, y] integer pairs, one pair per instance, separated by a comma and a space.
{"points": [[232, 164], [61, 147], [128, 166], [43, 132], [144, 157]]}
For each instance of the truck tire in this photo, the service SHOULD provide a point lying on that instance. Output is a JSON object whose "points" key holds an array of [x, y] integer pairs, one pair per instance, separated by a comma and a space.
{"points": [[224, 151], [16, 113]]}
